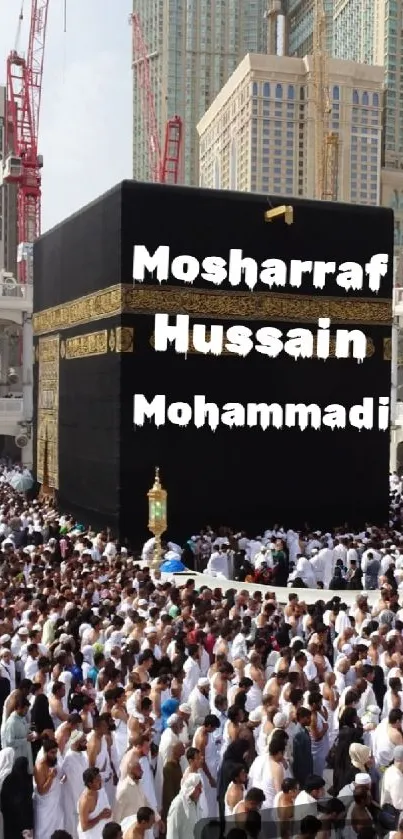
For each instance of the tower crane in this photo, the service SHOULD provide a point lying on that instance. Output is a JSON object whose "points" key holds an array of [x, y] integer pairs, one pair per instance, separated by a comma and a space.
{"points": [[326, 141], [22, 165], [165, 161]]}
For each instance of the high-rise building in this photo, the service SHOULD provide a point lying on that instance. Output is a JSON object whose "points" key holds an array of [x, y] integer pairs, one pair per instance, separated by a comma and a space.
{"points": [[299, 26], [8, 205], [193, 47], [370, 31], [367, 31], [258, 135]]}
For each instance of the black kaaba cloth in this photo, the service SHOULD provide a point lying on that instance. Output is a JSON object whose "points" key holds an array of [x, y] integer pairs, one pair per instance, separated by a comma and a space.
{"points": [[94, 350]]}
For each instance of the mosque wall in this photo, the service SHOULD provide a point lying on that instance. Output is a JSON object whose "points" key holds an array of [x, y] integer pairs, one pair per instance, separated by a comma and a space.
{"points": [[84, 294]]}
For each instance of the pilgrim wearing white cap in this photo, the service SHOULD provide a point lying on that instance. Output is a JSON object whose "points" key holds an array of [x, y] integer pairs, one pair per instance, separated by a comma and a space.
{"points": [[169, 739], [185, 812]]}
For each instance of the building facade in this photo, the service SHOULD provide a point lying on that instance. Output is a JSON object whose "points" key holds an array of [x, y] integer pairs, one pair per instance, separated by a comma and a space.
{"points": [[194, 46], [258, 135]]}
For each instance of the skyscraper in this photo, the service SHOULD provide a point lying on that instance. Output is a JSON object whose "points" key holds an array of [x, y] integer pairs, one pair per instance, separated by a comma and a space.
{"points": [[258, 134], [193, 46], [299, 26], [367, 31]]}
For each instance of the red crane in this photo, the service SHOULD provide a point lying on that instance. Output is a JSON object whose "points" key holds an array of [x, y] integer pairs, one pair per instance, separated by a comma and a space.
{"points": [[23, 165], [164, 165]]}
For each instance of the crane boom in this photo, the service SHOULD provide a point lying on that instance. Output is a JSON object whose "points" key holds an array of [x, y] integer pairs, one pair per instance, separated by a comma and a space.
{"points": [[326, 142], [164, 165], [23, 164], [141, 62]]}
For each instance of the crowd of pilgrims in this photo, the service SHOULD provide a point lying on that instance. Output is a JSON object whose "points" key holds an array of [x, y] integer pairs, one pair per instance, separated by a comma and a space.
{"points": [[132, 707]]}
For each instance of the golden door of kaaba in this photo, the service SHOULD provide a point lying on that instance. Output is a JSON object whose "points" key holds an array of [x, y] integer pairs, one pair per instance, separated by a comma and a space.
{"points": [[47, 454]]}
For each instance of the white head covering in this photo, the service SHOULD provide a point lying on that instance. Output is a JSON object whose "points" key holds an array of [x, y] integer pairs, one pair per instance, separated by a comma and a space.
{"points": [[362, 779], [75, 737], [172, 720]]}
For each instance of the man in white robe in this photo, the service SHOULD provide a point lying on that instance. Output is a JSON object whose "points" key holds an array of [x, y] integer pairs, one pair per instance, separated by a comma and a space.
{"points": [[73, 766], [199, 704], [192, 671], [392, 786], [185, 812], [217, 565], [130, 794], [329, 562], [169, 739]]}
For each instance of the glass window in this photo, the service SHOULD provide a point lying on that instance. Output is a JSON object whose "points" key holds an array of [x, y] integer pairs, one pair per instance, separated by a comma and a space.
{"points": [[375, 100], [254, 89], [266, 90], [279, 91], [336, 92], [291, 91], [355, 97], [365, 98]]}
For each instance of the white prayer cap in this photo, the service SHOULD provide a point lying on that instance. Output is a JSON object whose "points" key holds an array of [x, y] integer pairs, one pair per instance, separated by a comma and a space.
{"points": [[5, 639], [143, 602], [203, 683], [295, 639], [76, 736], [185, 708], [257, 714], [314, 551], [64, 638], [392, 634], [191, 782], [280, 720], [374, 709], [4, 651], [150, 630], [22, 630], [173, 719], [362, 779]]}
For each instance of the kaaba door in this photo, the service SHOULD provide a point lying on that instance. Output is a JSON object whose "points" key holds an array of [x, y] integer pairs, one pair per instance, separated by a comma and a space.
{"points": [[47, 456]]}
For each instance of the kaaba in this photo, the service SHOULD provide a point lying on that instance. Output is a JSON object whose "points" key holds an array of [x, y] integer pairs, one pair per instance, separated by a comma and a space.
{"points": [[116, 394]]}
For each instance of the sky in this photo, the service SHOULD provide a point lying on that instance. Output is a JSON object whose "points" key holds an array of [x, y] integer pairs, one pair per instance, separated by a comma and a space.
{"points": [[85, 132]]}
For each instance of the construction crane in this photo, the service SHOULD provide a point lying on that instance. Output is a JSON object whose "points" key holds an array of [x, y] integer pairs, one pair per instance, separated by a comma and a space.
{"points": [[22, 165], [326, 142], [164, 162]]}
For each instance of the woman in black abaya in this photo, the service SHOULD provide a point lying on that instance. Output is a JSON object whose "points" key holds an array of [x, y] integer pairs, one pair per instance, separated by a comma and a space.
{"points": [[16, 800], [235, 755], [41, 721]]}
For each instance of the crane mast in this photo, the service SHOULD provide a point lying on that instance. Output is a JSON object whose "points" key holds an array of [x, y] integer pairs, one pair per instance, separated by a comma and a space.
{"points": [[23, 164], [326, 142], [164, 162]]}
